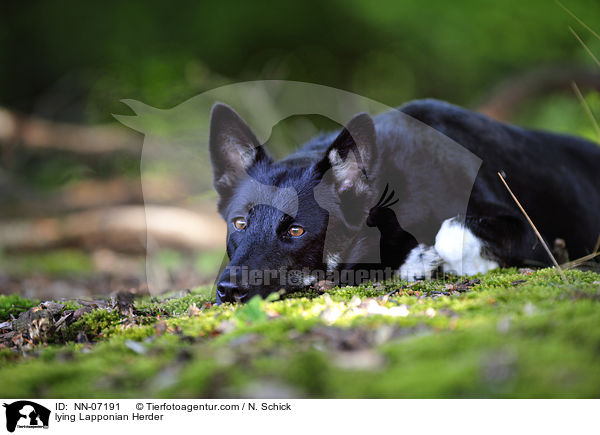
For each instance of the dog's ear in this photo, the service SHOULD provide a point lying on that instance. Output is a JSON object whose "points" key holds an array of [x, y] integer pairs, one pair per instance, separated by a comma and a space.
{"points": [[350, 166], [352, 156], [233, 148]]}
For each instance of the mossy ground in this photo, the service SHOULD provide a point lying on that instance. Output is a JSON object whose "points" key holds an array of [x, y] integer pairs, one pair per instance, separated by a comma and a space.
{"points": [[511, 335]]}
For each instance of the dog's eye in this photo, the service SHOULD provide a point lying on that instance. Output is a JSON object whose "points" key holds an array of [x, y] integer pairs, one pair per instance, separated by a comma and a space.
{"points": [[296, 231], [240, 223]]}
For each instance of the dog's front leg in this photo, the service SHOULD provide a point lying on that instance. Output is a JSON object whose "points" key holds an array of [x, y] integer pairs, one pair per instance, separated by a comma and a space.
{"points": [[456, 250]]}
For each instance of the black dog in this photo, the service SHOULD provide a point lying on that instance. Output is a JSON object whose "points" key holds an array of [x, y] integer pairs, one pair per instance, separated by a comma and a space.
{"points": [[321, 211]]}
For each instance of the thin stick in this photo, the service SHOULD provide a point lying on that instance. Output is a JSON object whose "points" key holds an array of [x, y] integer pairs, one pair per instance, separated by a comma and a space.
{"points": [[579, 261], [537, 233], [584, 46], [577, 19], [586, 108]]}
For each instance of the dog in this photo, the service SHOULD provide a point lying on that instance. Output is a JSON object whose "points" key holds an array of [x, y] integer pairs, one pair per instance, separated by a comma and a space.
{"points": [[413, 191]]}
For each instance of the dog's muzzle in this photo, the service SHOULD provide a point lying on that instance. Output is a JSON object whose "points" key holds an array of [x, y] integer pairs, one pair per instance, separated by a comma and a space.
{"points": [[230, 292]]}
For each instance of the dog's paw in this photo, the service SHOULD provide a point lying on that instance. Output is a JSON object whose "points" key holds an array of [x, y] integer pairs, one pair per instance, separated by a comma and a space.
{"points": [[420, 264]]}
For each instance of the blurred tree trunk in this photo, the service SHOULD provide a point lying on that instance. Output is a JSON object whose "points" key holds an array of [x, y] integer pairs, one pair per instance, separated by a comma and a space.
{"points": [[121, 228], [504, 101], [36, 133]]}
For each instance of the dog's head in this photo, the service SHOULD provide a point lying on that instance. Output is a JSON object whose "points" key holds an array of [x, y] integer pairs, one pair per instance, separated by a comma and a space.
{"points": [[291, 219]]}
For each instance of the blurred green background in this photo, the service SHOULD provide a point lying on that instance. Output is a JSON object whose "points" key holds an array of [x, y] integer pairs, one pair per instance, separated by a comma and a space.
{"points": [[72, 62]]}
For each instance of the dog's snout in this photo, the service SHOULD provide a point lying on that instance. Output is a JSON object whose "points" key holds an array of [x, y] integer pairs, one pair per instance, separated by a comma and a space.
{"points": [[230, 292], [226, 288]]}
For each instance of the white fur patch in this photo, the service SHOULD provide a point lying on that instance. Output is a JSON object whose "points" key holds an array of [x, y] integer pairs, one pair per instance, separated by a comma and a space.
{"points": [[420, 263], [456, 249], [309, 280], [460, 250], [333, 260]]}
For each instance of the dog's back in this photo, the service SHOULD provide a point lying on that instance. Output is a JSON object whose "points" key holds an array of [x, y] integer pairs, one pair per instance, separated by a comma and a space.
{"points": [[556, 177]]}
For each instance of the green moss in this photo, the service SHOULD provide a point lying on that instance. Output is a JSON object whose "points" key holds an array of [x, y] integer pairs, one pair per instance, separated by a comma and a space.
{"points": [[94, 324], [176, 303], [511, 335], [12, 305]]}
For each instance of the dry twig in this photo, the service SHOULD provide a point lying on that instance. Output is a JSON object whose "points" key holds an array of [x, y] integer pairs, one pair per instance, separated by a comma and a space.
{"points": [[537, 233], [581, 260]]}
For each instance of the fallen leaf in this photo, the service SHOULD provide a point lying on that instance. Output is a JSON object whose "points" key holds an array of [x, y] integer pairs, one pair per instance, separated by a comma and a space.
{"points": [[193, 310], [160, 328], [78, 313], [400, 311], [53, 307], [125, 303], [354, 302], [271, 313], [467, 284], [226, 326], [331, 313], [61, 322], [323, 285], [372, 307]]}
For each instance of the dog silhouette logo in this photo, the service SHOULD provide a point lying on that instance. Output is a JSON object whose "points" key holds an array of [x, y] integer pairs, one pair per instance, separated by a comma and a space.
{"points": [[26, 414]]}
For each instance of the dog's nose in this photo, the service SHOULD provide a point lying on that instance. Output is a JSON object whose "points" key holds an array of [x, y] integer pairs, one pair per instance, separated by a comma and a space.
{"points": [[229, 292], [226, 289]]}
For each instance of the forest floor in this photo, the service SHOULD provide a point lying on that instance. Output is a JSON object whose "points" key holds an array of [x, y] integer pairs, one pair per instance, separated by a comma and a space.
{"points": [[508, 333]]}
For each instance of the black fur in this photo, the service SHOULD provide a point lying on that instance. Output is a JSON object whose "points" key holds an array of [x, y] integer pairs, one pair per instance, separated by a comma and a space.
{"points": [[335, 196], [395, 243], [555, 177]]}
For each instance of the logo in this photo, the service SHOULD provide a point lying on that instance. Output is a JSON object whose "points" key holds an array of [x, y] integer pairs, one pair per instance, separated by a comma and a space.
{"points": [[26, 414]]}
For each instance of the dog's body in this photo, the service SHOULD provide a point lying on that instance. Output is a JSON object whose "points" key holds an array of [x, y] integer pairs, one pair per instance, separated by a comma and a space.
{"points": [[317, 210]]}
